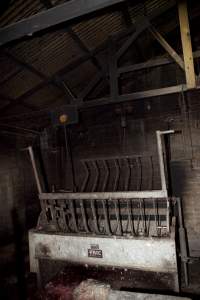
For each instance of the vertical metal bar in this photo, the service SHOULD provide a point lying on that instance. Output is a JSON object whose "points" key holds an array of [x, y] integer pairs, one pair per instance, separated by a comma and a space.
{"points": [[161, 158], [139, 177], [73, 215], [32, 157], [69, 152], [183, 241], [167, 215], [130, 216], [84, 184], [117, 175], [96, 177], [155, 215], [142, 215], [105, 182], [84, 216], [138, 218], [161, 161], [151, 173], [117, 212], [92, 203], [106, 220], [114, 89], [63, 206], [127, 178]]}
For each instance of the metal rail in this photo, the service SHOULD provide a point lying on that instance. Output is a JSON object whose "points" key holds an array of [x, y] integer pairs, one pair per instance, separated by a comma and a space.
{"points": [[132, 217]]}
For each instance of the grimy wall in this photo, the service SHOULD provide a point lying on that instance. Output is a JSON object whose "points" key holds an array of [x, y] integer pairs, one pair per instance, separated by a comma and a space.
{"points": [[17, 190]]}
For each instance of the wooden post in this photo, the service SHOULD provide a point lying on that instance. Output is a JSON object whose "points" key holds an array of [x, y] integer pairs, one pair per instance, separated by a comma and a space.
{"points": [[167, 47], [186, 44]]}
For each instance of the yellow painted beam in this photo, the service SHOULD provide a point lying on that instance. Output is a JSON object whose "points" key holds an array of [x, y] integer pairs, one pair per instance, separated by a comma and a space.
{"points": [[186, 44]]}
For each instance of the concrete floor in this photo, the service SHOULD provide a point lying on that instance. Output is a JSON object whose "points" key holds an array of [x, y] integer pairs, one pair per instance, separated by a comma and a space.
{"points": [[11, 289]]}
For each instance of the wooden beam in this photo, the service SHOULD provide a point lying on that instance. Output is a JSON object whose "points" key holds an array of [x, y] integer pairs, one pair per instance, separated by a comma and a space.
{"points": [[58, 82], [152, 63], [143, 24], [64, 12], [135, 96], [167, 47], [89, 88], [114, 86], [186, 44]]}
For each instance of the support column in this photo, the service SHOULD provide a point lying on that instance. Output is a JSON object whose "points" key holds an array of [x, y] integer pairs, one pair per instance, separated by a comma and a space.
{"points": [[186, 44]]}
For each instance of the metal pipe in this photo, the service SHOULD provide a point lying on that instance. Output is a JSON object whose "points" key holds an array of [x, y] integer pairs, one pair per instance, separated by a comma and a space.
{"points": [[36, 175], [155, 194], [160, 155]]}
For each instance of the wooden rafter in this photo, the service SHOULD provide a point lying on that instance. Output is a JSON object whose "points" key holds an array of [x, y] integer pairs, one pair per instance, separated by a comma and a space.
{"points": [[186, 44], [166, 46]]}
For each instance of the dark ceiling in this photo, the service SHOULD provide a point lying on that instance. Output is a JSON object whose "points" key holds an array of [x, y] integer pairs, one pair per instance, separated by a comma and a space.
{"points": [[53, 67]]}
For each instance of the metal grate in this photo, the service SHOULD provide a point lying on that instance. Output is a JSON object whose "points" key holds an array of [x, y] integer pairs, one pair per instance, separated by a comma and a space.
{"points": [[127, 217], [125, 173]]}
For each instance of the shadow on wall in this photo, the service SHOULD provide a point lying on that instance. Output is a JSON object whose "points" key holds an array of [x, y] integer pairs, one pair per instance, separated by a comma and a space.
{"points": [[19, 255], [178, 178]]}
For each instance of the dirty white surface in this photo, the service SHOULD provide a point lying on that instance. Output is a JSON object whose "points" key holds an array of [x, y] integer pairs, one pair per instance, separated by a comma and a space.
{"points": [[148, 254]]}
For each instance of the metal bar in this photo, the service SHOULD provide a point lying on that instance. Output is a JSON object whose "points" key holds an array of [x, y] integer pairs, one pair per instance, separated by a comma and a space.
{"points": [[144, 24], [116, 181], [85, 57], [183, 241], [161, 158], [114, 88], [117, 212], [52, 81], [63, 213], [83, 47], [106, 176], [167, 215], [37, 179], [51, 17], [84, 184], [84, 216], [186, 44], [91, 85], [94, 216], [106, 219], [167, 47], [72, 212], [157, 62], [96, 177], [135, 96], [150, 186], [127, 178], [138, 219], [130, 216], [106, 195]]}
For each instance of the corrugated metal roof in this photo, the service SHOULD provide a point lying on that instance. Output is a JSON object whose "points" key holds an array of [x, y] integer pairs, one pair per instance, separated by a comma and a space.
{"points": [[21, 83], [50, 52], [21, 9]]}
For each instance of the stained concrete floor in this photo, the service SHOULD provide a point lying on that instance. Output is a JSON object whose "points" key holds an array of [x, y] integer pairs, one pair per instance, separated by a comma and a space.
{"points": [[10, 288]]}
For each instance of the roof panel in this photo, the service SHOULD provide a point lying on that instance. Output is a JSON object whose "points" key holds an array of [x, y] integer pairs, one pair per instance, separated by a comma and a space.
{"points": [[95, 31], [48, 53], [21, 83]]}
